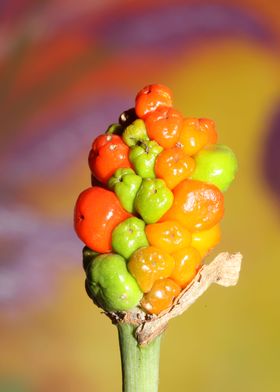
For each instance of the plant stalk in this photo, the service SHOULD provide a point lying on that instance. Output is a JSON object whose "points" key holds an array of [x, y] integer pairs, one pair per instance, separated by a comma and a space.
{"points": [[140, 364]]}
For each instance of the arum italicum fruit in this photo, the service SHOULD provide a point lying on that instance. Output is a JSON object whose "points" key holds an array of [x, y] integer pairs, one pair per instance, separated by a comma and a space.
{"points": [[150, 223]]}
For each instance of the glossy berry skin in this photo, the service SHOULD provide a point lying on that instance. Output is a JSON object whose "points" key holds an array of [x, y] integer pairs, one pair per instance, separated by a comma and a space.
{"points": [[88, 256], [174, 166], [187, 262], [143, 156], [151, 97], [164, 126], [153, 199], [127, 117], [97, 212], [161, 296], [135, 133], [204, 241], [148, 264], [215, 164], [197, 206], [168, 236], [111, 285], [208, 126], [195, 134], [125, 183], [108, 154], [128, 236], [114, 129]]}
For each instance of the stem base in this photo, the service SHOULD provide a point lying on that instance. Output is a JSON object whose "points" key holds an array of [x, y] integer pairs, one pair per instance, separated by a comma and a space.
{"points": [[140, 364]]}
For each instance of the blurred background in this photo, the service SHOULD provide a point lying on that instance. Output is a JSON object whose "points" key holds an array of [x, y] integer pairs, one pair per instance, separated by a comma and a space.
{"points": [[67, 70]]}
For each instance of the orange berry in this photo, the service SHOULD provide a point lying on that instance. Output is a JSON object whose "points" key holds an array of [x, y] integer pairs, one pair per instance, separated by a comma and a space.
{"points": [[161, 296], [97, 212], [187, 261], [206, 240], [195, 134], [168, 236], [148, 264], [108, 153], [164, 126], [209, 127], [174, 166], [151, 98], [197, 205]]}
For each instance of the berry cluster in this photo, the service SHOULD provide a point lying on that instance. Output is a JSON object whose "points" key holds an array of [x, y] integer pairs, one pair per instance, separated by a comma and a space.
{"points": [[154, 209]]}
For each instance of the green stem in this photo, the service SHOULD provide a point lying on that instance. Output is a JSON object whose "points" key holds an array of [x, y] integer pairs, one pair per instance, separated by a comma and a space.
{"points": [[140, 365]]}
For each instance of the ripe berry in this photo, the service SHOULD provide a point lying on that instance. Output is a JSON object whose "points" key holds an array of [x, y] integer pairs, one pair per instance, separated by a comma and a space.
{"points": [[197, 205], [174, 166], [187, 261], [161, 296], [151, 98], [164, 126], [148, 264]]}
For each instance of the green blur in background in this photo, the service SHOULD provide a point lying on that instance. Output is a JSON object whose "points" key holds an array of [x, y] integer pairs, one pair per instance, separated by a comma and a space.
{"points": [[58, 341]]}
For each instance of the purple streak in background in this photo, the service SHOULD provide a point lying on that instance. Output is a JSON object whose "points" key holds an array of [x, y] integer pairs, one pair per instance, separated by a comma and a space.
{"points": [[32, 252], [179, 24], [171, 24], [62, 140], [271, 156]]}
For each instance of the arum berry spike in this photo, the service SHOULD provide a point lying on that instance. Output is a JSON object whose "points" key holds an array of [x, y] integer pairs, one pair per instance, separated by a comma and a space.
{"points": [[148, 221]]}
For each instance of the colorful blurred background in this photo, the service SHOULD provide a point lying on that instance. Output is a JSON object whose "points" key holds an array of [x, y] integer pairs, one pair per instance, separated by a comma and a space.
{"points": [[67, 70]]}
